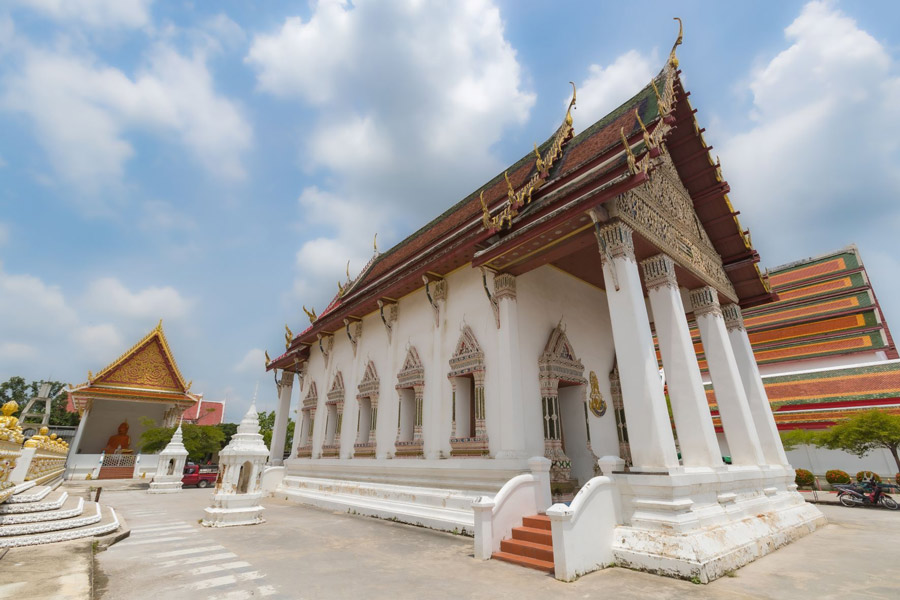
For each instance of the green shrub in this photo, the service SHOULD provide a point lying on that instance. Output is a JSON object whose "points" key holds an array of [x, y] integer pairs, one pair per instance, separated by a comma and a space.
{"points": [[867, 476], [804, 478], [837, 476]]}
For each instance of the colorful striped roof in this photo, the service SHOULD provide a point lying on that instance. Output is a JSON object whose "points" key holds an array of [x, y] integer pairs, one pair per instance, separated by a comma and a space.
{"points": [[819, 398]]}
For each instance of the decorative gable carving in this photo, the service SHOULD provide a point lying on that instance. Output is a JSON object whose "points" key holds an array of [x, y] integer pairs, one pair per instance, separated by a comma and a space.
{"points": [[368, 387], [558, 361], [336, 393], [412, 373], [662, 211], [468, 356], [312, 396]]}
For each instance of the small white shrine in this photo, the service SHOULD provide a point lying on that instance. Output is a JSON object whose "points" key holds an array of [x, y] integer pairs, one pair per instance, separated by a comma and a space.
{"points": [[170, 466], [238, 489]]}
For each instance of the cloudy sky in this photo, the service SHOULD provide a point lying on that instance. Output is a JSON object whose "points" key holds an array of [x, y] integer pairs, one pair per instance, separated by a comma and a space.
{"points": [[215, 164]]}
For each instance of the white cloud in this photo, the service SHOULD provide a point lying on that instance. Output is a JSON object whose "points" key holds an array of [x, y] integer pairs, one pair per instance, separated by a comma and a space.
{"points": [[254, 362], [608, 87], [412, 96], [95, 13], [83, 109], [14, 351], [98, 342], [109, 295], [819, 165]]}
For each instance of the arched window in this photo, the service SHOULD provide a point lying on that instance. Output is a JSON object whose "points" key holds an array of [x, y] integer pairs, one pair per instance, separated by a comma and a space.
{"points": [[368, 413], [308, 412], [334, 416], [410, 389], [564, 402], [469, 437]]}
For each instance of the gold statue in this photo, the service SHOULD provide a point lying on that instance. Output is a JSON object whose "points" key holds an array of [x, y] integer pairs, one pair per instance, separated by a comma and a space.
{"points": [[9, 424], [310, 313], [288, 337], [119, 443], [597, 403], [40, 439]]}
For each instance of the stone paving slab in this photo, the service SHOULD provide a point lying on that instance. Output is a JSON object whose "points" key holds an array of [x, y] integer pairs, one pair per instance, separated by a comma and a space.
{"points": [[60, 571], [303, 552]]}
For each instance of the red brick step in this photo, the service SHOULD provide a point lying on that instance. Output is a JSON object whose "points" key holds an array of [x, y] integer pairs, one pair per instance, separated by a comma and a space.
{"points": [[531, 545]]}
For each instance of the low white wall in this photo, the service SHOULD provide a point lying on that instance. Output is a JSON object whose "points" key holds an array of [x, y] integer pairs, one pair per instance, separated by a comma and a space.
{"points": [[820, 460], [522, 496], [271, 478], [583, 531]]}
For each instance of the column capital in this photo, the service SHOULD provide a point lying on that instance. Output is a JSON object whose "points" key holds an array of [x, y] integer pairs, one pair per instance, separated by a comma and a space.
{"points": [[659, 271], [705, 301], [615, 240], [733, 317], [504, 286]]}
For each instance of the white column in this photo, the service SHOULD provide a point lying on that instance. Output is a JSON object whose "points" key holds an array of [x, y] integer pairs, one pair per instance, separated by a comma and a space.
{"points": [[758, 400], [298, 415], [279, 431], [733, 408], [73, 448], [509, 383], [649, 429], [435, 443], [693, 422]]}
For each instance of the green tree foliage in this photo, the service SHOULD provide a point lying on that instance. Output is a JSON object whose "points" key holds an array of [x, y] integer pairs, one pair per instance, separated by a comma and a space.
{"points": [[199, 440], [865, 432], [228, 429], [798, 437], [267, 424], [17, 389]]}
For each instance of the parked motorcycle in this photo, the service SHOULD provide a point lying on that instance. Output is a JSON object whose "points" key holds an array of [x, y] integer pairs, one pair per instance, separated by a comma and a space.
{"points": [[866, 494]]}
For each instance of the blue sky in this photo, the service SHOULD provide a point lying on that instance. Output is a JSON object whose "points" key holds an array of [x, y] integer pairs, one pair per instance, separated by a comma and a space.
{"points": [[215, 164]]}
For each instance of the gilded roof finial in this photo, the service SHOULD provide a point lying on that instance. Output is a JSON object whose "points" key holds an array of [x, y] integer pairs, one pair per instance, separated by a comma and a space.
{"points": [[571, 105], [538, 161], [159, 325], [510, 192], [632, 166], [647, 140], [90, 376], [375, 243], [673, 60], [310, 313], [485, 213], [268, 360], [340, 289], [288, 337]]}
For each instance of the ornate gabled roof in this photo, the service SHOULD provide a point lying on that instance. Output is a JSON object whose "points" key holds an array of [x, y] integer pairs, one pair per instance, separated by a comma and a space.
{"points": [[556, 183], [146, 371], [149, 363]]}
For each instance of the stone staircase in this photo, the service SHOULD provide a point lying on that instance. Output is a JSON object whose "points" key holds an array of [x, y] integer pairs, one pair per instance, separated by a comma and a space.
{"points": [[435, 508], [531, 545], [42, 514]]}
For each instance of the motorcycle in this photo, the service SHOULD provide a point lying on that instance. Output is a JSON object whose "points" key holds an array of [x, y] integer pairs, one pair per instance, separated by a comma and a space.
{"points": [[868, 494]]}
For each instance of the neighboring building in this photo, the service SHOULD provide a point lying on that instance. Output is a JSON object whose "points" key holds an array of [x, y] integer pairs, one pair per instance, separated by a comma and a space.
{"points": [[142, 383], [826, 352], [205, 412], [515, 325]]}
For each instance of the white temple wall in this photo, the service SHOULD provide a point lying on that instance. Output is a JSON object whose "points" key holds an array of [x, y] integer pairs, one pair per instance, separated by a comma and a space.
{"points": [[105, 417], [545, 296], [467, 304]]}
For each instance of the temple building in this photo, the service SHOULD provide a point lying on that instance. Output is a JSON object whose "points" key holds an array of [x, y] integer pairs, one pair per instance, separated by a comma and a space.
{"points": [[143, 383], [517, 328]]}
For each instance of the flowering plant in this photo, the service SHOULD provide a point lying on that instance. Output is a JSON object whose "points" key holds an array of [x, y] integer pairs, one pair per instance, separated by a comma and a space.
{"points": [[867, 476], [837, 476], [804, 478]]}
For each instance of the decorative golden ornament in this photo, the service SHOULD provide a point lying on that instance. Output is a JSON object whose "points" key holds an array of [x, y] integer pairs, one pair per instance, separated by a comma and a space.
{"points": [[268, 360], [597, 403], [673, 60], [311, 314], [289, 335]]}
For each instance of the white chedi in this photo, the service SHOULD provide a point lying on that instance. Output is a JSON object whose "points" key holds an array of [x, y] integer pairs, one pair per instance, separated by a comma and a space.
{"points": [[238, 490], [170, 466]]}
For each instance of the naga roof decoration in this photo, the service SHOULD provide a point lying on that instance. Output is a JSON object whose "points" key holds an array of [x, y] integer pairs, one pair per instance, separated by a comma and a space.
{"points": [[147, 371], [558, 183]]}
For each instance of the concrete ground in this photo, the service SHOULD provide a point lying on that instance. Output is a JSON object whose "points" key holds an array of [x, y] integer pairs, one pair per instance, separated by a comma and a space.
{"points": [[309, 553], [60, 571]]}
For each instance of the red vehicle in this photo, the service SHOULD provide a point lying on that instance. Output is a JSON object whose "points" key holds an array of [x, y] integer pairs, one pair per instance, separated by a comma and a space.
{"points": [[200, 475]]}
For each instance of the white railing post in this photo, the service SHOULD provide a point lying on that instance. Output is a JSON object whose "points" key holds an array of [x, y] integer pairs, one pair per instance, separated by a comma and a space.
{"points": [[483, 507], [540, 468]]}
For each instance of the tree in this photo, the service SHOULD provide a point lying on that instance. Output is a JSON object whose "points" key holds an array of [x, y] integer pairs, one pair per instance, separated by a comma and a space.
{"points": [[798, 437], [228, 430], [17, 389], [200, 441], [865, 432], [267, 424]]}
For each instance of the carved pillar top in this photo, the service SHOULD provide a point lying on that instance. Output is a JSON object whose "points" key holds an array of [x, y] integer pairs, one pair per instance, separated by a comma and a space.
{"points": [[705, 301], [733, 317], [504, 286], [616, 241], [439, 291], [659, 271]]}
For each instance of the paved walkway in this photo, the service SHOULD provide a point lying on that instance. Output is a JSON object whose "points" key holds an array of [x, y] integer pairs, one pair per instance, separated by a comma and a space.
{"points": [[308, 553]]}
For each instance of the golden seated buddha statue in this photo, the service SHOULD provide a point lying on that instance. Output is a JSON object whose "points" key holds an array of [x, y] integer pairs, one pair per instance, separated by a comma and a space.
{"points": [[120, 442], [10, 424]]}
